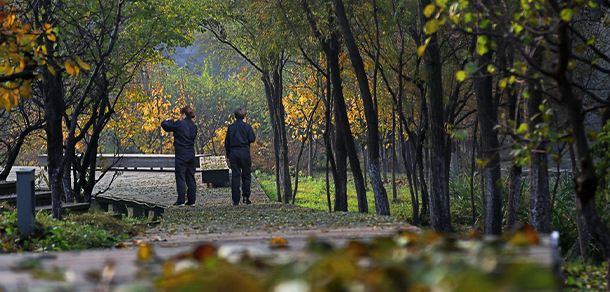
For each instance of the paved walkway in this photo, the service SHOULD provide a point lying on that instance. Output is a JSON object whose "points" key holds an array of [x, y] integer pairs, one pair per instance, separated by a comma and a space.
{"points": [[234, 229]]}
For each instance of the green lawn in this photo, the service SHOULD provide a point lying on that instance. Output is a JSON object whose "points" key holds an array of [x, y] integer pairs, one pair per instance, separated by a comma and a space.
{"points": [[312, 194]]}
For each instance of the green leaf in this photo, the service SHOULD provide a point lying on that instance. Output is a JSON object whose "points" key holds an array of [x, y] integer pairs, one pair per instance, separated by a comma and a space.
{"points": [[503, 83], [471, 67], [592, 136], [482, 163], [591, 41], [469, 17], [526, 94], [567, 14], [461, 75], [592, 4], [431, 26], [491, 69], [442, 3], [517, 28], [429, 10], [512, 79], [523, 128], [482, 49], [482, 42], [485, 23], [421, 50]]}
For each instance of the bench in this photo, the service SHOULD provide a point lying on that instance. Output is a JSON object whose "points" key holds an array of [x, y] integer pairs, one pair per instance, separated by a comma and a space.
{"points": [[214, 170]]}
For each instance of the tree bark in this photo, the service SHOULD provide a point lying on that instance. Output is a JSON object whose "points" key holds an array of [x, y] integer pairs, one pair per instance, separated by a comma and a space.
{"points": [[586, 180], [54, 109], [345, 139], [440, 218], [514, 192], [382, 204], [276, 137], [488, 152], [539, 205]]}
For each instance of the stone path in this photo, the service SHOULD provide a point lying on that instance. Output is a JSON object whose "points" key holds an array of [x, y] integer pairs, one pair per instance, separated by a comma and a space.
{"points": [[234, 229]]}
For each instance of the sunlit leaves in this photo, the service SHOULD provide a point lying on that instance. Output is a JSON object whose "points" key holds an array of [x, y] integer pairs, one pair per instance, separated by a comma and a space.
{"points": [[429, 10], [567, 14], [20, 53], [461, 75], [482, 45], [422, 49], [71, 68]]}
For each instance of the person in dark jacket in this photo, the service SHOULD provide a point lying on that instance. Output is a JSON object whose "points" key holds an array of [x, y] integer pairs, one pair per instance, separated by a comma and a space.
{"points": [[185, 132], [237, 145]]}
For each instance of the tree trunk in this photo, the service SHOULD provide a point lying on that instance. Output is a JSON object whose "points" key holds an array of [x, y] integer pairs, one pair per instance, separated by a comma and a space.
{"points": [[514, 192], [539, 207], [276, 137], [382, 204], [281, 119], [53, 110], [586, 180], [440, 218], [394, 196], [472, 167], [488, 152], [310, 154], [344, 137]]}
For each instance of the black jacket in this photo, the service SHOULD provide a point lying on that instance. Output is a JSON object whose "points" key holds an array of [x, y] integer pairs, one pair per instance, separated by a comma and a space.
{"points": [[185, 132], [239, 134]]}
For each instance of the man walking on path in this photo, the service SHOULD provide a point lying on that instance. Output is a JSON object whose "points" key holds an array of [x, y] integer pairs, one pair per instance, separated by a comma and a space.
{"points": [[185, 132], [237, 145]]}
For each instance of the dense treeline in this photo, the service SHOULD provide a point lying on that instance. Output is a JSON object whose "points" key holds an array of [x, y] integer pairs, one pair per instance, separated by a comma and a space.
{"points": [[503, 89]]}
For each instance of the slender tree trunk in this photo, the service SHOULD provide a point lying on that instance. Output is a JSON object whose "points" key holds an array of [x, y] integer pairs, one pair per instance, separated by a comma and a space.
{"points": [[539, 207], [440, 218], [345, 140], [410, 171], [310, 154], [488, 152], [329, 153], [583, 234], [276, 137], [382, 204], [514, 192], [586, 180], [472, 167], [281, 120], [394, 196]]}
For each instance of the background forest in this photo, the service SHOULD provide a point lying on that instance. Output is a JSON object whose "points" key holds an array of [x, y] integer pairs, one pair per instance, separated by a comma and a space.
{"points": [[449, 114]]}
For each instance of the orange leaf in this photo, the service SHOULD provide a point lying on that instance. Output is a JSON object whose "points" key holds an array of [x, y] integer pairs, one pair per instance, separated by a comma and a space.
{"points": [[71, 68]]}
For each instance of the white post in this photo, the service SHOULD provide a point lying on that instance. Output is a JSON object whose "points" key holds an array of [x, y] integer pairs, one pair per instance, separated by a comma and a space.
{"points": [[26, 201]]}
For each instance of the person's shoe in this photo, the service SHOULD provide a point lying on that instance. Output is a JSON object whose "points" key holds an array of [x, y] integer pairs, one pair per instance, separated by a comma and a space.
{"points": [[247, 201], [178, 205], [190, 204], [235, 203]]}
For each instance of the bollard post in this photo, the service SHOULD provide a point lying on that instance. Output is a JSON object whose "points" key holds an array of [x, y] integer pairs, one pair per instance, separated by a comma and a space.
{"points": [[26, 201]]}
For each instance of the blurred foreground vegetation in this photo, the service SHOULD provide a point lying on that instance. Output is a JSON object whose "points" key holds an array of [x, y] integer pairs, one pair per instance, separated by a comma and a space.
{"points": [[589, 276]]}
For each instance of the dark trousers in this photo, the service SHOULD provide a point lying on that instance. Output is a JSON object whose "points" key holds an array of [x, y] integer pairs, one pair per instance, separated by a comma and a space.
{"points": [[241, 165], [185, 172]]}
